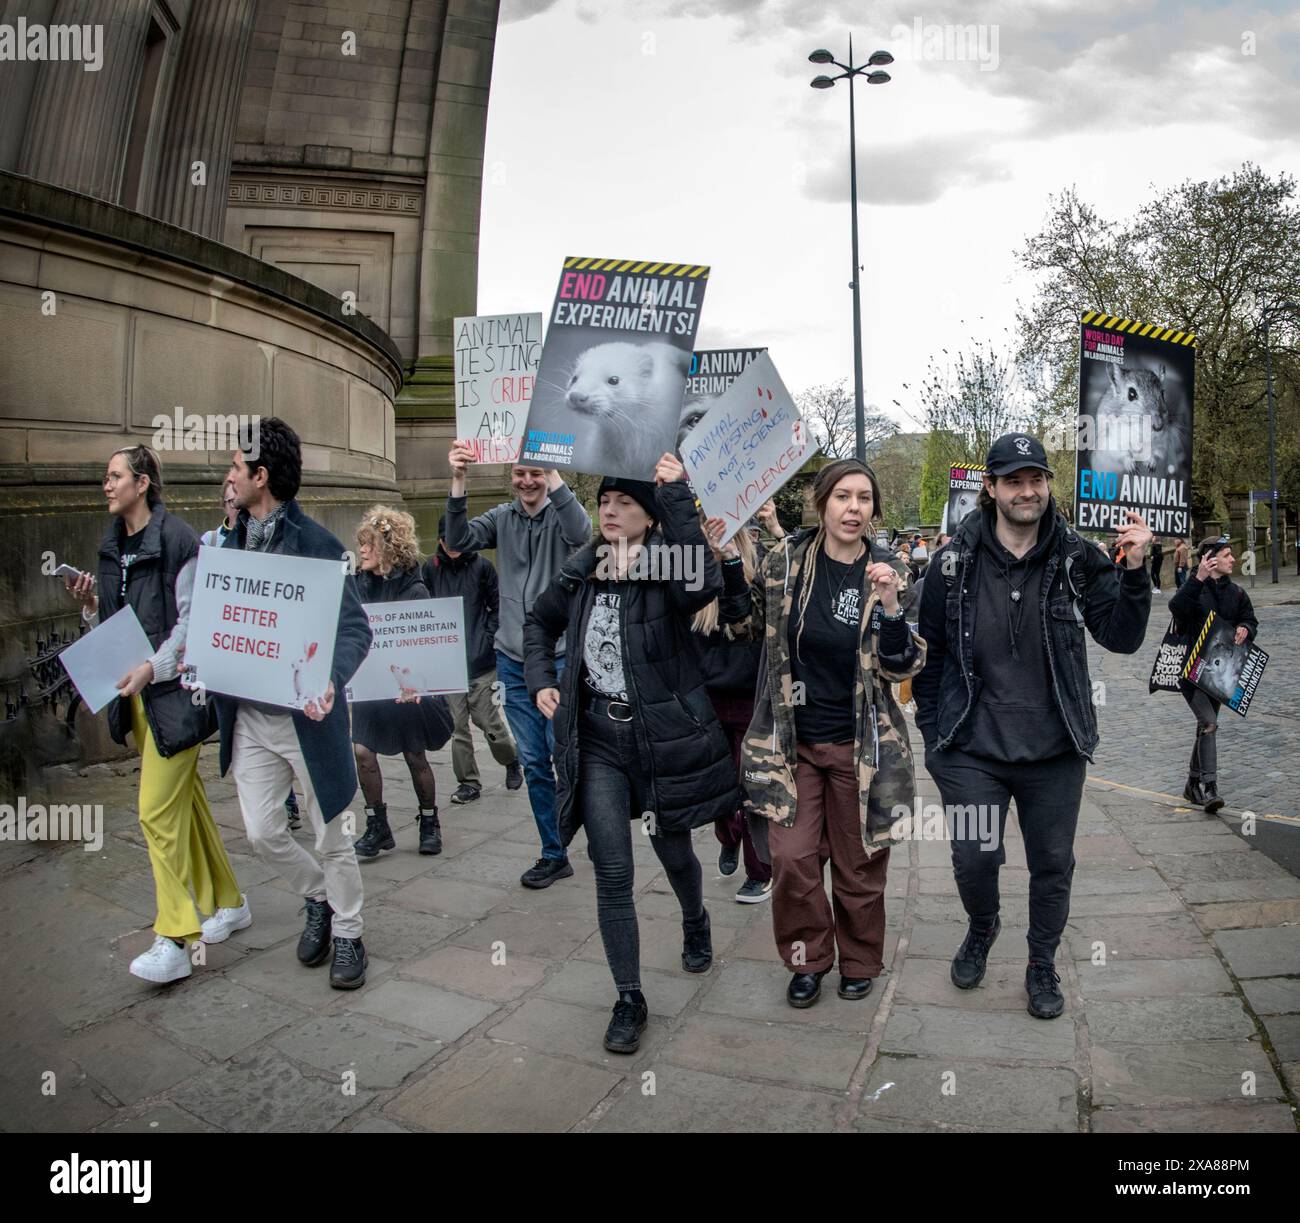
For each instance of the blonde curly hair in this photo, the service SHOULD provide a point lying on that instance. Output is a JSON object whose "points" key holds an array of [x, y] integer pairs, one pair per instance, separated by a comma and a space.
{"points": [[393, 533]]}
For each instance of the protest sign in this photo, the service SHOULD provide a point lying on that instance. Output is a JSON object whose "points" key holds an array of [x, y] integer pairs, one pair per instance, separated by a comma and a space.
{"points": [[1222, 669], [748, 446], [1134, 431], [964, 484], [417, 646], [712, 371], [496, 358], [96, 662], [262, 625], [618, 349]]}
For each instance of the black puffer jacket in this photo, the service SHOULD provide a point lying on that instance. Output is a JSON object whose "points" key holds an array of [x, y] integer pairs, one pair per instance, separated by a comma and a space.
{"points": [[169, 544], [400, 586], [692, 772]]}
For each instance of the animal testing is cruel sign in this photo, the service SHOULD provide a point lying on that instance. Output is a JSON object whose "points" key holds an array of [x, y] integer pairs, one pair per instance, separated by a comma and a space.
{"points": [[262, 625], [416, 648], [618, 351], [1134, 439], [496, 360]]}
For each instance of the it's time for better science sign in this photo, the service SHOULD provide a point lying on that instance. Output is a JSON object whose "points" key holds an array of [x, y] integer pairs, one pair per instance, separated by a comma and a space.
{"points": [[262, 626]]}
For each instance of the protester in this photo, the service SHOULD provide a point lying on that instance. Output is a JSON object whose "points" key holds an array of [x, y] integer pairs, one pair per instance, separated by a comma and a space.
{"points": [[267, 746], [831, 771], [1182, 556], [388, 571], [216, 538], [471, 577], [147, 561], [532, 535], [1157, 560], [729, 663], [1005, 702], [1209, 589], [636, 738]]}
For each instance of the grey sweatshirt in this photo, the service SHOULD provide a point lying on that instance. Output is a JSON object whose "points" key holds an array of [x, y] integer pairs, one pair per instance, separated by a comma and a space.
{"points": [[530, 551]]}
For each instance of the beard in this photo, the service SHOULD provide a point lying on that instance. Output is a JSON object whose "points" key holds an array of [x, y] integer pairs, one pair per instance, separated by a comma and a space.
{"points": [[1024, 513]]}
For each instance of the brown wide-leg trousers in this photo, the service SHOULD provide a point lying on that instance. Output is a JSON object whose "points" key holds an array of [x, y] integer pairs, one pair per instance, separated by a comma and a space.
{"points": [[807, 925]]}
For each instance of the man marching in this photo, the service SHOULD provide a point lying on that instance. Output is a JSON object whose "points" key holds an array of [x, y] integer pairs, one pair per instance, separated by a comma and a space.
{"points": [[1004, 703]]}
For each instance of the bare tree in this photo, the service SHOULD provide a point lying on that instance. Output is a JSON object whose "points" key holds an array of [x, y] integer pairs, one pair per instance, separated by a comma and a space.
{"points": [[828, 409]]}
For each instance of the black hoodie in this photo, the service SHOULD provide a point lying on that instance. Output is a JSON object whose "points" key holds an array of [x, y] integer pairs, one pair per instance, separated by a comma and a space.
{"points": [[1016, 717]]}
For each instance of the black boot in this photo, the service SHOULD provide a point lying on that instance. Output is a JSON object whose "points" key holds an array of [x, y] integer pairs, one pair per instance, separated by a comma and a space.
{"points": [[627, 1023], [1210, 795], [430, 832], [377, 835], [697, 944], [1193, 792], [972, 956]]}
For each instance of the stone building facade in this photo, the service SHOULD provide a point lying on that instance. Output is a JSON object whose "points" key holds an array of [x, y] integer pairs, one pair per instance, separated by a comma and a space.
{"points": [[251, 207]]}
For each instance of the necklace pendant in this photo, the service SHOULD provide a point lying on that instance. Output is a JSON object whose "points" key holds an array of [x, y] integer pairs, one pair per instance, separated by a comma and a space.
{"points": [[1015, 596]]}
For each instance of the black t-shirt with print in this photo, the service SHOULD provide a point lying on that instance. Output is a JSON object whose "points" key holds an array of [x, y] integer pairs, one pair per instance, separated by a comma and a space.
{"points": [[126, 558], [602, 649], [825, 660]]}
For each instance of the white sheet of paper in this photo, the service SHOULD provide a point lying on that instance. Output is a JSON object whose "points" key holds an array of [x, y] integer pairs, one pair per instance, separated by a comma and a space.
{"points": [[98, 660]]}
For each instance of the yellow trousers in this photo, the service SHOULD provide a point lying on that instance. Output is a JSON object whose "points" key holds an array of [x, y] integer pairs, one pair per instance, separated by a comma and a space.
{"points": [[185, 846]]}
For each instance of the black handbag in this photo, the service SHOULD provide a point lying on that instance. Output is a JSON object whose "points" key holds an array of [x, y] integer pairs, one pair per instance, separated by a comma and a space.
{"points": [[1171, 658]]}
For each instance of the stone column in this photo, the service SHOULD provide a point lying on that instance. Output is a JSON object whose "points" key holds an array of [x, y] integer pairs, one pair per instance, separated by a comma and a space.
{"points": [[202, 116], [80, 122]]}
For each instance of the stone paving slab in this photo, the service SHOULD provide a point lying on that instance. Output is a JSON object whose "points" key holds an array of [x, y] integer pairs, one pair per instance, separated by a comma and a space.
{"points": [[932, 1090], [1197, 989]]}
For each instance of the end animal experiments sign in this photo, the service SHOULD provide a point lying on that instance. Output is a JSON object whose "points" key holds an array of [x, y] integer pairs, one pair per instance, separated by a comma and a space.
{"points": [[1134, 440], [496, 357], [614, 366], [748, 446], [964, 484], [416, 647], [262, 625]]}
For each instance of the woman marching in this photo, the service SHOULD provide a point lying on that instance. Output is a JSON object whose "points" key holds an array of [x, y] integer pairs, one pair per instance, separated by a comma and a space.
{"points": [[636, 738], [729, 662], [147, 561], [1209, 589], [388, 571], [827, 758]]}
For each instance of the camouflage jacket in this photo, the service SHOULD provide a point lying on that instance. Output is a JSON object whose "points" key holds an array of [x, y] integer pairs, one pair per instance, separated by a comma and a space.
{"points": [[880, 744]]}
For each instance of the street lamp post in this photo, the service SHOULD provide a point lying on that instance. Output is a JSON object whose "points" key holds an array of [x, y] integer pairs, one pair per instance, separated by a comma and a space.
{"points": [[1266, 321], [875, 61]]}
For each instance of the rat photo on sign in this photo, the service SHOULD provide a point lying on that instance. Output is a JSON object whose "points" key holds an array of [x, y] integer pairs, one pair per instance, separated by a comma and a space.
{"points": [[608, 397], [1135, 424]]}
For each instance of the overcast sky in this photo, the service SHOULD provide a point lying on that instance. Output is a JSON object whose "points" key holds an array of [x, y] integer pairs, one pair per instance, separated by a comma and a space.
{"points": [[685, 130]]}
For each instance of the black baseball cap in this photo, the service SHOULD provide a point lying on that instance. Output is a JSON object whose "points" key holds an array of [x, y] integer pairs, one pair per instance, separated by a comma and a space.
{"points": [[1014, 451]]}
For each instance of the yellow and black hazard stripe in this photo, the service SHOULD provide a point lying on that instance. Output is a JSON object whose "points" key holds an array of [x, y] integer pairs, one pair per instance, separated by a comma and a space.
{"points": [[644, 267], [1195, 652], [1152, 331]]}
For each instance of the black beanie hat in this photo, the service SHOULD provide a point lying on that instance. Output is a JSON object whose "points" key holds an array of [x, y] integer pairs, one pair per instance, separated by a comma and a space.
{"points": [[641, 491]]}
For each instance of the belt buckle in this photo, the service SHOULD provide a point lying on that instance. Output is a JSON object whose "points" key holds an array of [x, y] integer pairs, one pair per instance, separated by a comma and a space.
{"points": [[609, 711]]}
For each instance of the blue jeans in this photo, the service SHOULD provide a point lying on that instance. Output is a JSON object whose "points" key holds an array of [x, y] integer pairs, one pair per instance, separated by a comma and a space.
{"points": [[536, 743]]}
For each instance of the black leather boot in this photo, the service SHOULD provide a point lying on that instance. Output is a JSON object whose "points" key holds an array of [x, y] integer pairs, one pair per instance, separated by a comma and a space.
{"points": [[1210, 795], [1193, 793], [804, 988], [430, 832], [377, 835]]}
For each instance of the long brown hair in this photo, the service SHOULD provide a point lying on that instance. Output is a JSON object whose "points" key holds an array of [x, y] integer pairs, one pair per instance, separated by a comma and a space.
{"points": [[823, 486], [706, 619]]}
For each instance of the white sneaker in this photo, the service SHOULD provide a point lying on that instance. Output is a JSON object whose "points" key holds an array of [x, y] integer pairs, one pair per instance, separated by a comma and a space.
{"points": [[224, 922], [163, 962]]}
